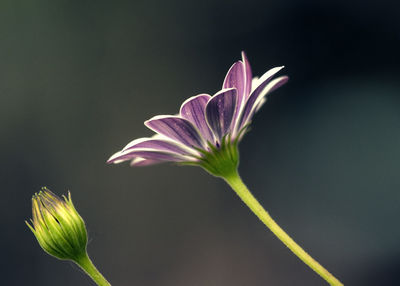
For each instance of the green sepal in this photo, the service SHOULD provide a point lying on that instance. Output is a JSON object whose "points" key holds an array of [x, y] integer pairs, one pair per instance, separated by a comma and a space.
{"points": [[221, 160]]}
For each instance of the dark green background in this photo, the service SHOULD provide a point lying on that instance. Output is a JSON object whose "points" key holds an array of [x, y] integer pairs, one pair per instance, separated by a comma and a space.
{"points": [[78, 78]]}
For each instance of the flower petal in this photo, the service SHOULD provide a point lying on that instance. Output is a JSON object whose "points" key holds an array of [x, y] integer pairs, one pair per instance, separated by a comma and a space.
{"points": [[193, 109], [176, 128], [235, 78], [261, 103], [253, 103], [260, 83], [248, 75], [259, 86], [140, 162], [147, 154], [159, 143], [220, 110]]}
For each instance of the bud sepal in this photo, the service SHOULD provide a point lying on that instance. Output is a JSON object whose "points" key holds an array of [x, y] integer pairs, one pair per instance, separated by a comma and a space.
{"points": [[57, 226]]}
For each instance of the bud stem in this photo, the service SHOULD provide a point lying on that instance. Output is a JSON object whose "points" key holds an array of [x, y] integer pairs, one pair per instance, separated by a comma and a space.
{"points": [[87, 265], [234, 180]]}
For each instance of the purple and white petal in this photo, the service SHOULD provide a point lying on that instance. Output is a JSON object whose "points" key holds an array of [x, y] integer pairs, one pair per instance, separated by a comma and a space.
{"points": [[118, 157], [259, 86], [235, 78], [261, 103], [148, 154], [141, 162], [253, 104], [265, 78], [160, 143], [161, 156], [176, 128], [248, 75], [254, 82], [193, 109], [220, 110], [115, 158], [274, 84]]}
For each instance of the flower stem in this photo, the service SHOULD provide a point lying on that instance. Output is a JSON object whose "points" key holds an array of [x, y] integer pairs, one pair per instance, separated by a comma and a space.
{"points": [[87, 265], [234, 180]]}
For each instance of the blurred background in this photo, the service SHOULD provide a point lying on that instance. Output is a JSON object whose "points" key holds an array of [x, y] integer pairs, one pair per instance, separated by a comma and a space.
{"points": [[78, 78]]}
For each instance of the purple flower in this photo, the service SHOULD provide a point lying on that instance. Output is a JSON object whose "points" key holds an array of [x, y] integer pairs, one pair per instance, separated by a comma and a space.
{"points": [[206, 133], [207, 129]]}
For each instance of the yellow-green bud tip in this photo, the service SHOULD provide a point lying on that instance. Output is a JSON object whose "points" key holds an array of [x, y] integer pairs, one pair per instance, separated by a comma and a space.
{"points": [[57, 226]]}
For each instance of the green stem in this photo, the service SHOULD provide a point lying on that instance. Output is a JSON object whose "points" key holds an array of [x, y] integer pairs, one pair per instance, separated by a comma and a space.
{"points": [[87, 265], [241, 190]]}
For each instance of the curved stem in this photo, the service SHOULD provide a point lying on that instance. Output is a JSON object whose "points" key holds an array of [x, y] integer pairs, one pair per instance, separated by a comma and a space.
{"points": [[241, 190], [87, 265]]}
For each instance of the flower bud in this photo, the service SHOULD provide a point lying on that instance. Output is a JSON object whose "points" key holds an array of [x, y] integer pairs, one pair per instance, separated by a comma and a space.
{"points": [[58, 227]]}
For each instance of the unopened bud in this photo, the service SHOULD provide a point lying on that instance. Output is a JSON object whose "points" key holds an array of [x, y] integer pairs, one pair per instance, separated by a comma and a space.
{"points": [[58, 227]]}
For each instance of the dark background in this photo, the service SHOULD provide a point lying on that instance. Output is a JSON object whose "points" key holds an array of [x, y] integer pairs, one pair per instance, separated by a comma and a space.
{"points": [[78, 78]]}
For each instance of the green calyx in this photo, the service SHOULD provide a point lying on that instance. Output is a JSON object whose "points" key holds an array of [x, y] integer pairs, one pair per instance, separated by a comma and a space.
{"points": [[57, 226], [222, 160]]}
